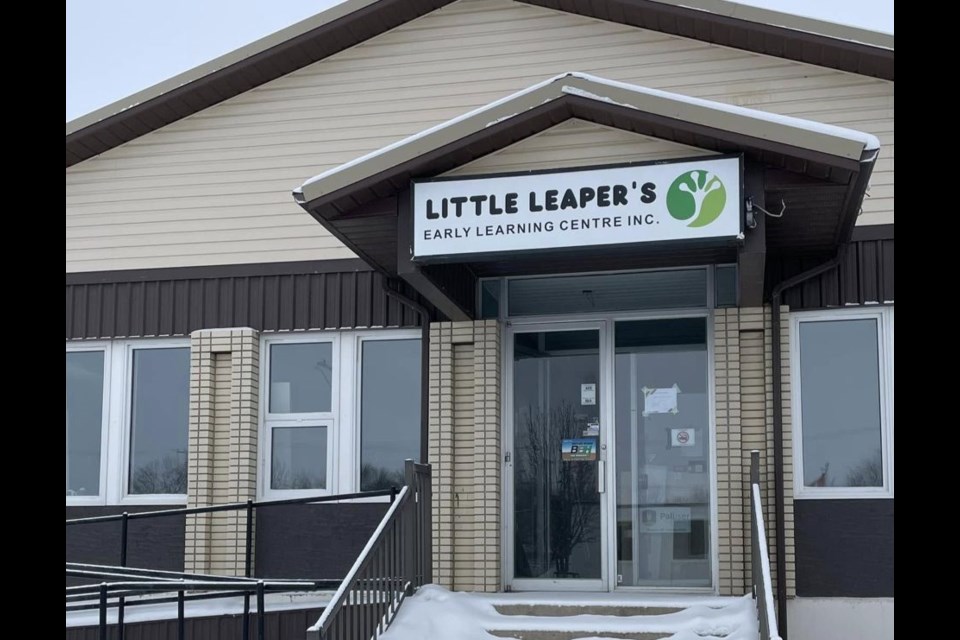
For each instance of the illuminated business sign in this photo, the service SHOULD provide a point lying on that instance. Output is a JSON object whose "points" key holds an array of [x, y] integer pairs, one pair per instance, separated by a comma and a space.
{"points": [[675, 200]]}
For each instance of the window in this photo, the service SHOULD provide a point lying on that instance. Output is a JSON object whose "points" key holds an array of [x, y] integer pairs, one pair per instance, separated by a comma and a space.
{"points": [[343, 411], [159, 421], [127, 421], [300, 417], [389, 411], [843, 403], [85, 421]]}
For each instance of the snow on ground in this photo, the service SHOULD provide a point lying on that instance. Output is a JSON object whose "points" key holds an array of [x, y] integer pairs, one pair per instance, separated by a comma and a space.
{"points": [[435, 612]]}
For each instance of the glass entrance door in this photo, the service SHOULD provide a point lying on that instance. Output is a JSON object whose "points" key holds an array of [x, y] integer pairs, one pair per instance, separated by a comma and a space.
{"points": [[557, 470], [662, 487]]}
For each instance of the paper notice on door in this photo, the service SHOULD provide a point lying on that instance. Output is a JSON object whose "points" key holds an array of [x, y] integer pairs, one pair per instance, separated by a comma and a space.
{"points": [[660, 400], [588, 393]]}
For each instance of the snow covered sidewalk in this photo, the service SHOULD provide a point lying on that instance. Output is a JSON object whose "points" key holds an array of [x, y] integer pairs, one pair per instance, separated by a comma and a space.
{"points": [[435, 612]]}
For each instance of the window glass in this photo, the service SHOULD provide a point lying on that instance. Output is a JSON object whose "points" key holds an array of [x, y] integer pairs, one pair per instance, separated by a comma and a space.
{"points": [[84, 421], [299, 459], [389, 411], [301, 377], [607, 292], [159, 417], [725, 285], [840, 403], [489, 299]]}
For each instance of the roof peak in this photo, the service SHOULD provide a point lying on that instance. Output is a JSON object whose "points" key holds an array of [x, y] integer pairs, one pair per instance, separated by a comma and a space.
{"points": [[351, 22]]}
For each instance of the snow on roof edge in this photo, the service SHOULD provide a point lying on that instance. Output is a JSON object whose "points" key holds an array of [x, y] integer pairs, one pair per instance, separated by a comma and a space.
{"points": [[869, 141]]}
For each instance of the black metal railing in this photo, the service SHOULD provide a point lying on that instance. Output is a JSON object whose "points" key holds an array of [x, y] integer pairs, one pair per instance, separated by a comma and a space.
{"points": [[760, 558], [245, 586], [145, 589], [393, 564]]}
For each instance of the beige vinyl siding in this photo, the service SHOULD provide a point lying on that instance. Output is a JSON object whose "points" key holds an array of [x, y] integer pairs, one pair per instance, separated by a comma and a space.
{"points": [[214, 188], [577, 143]]}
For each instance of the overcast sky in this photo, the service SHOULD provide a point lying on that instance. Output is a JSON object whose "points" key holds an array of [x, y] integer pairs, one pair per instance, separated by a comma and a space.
{"points": [[118, 47]]}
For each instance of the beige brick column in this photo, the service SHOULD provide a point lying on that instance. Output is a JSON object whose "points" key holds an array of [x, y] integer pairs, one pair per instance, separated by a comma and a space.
{"points": [[224, 398], [464, 441], [744, 404]]}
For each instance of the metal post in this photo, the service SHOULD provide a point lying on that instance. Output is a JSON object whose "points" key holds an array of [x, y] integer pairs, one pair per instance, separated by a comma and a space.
{"points": [[103, 611], [123, 563], [248, 565], [408, 526], [754, 544], [261, 610], [181, 626]]}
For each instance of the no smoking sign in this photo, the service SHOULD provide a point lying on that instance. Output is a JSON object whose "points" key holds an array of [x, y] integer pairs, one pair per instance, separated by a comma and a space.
{"points": [[683, 437]]}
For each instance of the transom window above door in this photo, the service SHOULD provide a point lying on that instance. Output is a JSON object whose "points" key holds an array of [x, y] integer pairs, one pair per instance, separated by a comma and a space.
{"points": [[681, 288]]}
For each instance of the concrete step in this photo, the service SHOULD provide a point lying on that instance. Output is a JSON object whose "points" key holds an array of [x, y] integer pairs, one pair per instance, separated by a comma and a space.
{"points": [[619, 617], [553, 610], [573, 635]]}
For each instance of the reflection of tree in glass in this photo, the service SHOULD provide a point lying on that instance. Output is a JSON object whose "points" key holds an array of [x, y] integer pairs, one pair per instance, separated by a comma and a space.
{"points": [[572, 485], [283, 478], [373, 478], [868, 473], [165, 475]]}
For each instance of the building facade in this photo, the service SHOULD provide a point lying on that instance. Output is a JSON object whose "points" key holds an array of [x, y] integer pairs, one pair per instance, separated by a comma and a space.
{"points": [[582, 258]]}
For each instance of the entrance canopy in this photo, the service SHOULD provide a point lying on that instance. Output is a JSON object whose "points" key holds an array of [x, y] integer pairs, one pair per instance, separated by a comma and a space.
{"points": [[818, 172]]}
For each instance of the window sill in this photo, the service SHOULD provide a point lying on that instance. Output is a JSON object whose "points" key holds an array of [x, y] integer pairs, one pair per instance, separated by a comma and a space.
{"points": [[880, 494]]}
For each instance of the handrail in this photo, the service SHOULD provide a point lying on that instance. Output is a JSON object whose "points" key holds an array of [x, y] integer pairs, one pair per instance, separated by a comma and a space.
{"points": [[760, 558], [249, 507], [337, 602], [233, 506], [393, 564]]}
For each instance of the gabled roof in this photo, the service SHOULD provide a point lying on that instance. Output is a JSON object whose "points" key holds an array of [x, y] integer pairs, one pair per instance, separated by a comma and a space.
{"points": [[826, 166], [354, 21], [819, 143]]}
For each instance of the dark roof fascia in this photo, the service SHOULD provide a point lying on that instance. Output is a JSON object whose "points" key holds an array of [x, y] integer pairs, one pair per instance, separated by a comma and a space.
{"points": [[342, 265], [220, 84], [337, 205], [233, 79], [551, 114], [729, 31]]}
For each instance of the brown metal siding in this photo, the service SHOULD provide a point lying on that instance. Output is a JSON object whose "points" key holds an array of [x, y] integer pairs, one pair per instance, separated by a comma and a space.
{"points": [[864, 277], [177, 302], [844, 548]]}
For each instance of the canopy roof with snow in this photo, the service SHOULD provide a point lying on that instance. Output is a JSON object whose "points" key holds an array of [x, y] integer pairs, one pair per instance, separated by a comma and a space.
{"points": [[822, 170]]}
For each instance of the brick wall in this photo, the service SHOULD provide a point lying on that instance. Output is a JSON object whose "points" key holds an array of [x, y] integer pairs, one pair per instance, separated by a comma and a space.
{"points": [[744, 403], [464, 441], [224, 398]]}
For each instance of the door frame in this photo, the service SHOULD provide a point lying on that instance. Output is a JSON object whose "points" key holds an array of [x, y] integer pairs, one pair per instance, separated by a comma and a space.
{"points": [[605, 323], [507, 498]]}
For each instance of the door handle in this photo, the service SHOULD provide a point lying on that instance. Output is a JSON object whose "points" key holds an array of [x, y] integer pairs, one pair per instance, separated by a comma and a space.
{"points": [[601, 477]]}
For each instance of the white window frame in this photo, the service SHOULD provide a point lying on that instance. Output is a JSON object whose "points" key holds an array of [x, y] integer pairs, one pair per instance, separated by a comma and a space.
{"points": [[270, 421], [884, 318], [116, 433], [361, 338], [124, 438], [343, 431], [104, 348]]}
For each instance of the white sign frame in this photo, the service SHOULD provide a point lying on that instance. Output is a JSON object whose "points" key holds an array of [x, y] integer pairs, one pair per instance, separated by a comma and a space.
{"points": [[623, 204]]}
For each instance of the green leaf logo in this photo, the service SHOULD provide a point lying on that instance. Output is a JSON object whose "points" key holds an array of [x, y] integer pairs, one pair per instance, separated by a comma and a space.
{"points": [[698, 196]]}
